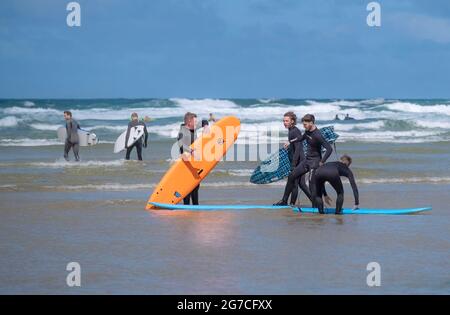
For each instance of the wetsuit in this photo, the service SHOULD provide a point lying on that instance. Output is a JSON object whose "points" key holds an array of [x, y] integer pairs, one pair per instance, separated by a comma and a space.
{"points": [[186, 137], [315, 142], [331, 172], [72, 140], [138, 144], [297, 155]]}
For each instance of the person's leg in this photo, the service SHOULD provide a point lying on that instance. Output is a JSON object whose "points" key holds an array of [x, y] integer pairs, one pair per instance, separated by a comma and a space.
{"points": [[294, 194], [129, 149], [187, 199], [301, 169], [67, 146], [304, 187], [138, 145], [194, 195], [336, 183], [76, 150], [320, 183], [313, 187]]}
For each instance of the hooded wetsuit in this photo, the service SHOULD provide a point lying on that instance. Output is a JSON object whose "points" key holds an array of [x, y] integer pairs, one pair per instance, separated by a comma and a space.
{"points": [[314, 156], [331, 172]]}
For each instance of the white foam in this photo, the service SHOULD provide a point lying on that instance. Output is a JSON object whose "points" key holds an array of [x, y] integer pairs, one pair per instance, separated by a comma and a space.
{"points": [[64, 164], [433, 124], [15, 110], [28, 104], [407, 180], [105, 187], [40, 126], [415, 108], [9, 121], [27, 142], [374, 125]]}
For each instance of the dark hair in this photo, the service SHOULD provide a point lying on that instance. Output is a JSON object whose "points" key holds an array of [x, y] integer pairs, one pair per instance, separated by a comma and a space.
{"points": [[309, 118], [292, 116], [348, 158], [134, 115], [188, 116], [205, 122], [68, 113]]}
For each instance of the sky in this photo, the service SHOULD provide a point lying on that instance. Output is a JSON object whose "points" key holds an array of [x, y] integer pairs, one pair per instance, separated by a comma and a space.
{"points": [[224, 49]]}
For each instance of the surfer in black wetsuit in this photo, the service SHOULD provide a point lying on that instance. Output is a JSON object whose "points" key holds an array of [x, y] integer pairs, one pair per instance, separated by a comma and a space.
{"points": [[331, 172], [187, 136], [72, 141], [313, 159], [139, 143], [296, 153]]}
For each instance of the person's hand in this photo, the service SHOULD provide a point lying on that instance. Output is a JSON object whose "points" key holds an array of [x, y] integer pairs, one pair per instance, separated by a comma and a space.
{"points": [[328, 200], [355, 207], [321, 163], [145, 144], [186, 156], [286, 145]]}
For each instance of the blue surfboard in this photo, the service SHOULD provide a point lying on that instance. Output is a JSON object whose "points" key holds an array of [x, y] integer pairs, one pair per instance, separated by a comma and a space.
{"points": [[365, 211], [216, 207], [269, 207], [274, 168]]}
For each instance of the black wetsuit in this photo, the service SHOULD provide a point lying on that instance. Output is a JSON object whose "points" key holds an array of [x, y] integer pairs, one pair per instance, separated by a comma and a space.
{"points": [[331, 172], [297, 155], [181, 139], [72, 140], [315, 142], [138, 144]]}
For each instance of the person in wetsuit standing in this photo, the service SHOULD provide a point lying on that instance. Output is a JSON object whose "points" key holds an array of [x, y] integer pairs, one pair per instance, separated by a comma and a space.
{"points": [[296, 153], [139, 143], [72, 140], [187, 136], [331, 172], [313, 159]]}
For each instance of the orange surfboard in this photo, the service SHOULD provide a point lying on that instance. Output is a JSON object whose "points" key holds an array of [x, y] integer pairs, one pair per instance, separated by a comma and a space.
{"points": [[188, 171]]}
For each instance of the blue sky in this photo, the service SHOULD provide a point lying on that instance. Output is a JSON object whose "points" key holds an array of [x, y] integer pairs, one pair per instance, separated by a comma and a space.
{"points": [[224, 49]]}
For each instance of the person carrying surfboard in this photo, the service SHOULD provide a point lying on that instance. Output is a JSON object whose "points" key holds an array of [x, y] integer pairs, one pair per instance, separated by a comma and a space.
{"points": [[331, 172], [187, 136], [313, 158], [72, 141], [139, 143], [296, 153]]}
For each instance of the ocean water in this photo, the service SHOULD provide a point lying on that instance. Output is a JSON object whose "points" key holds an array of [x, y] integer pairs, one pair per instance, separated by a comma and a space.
{"points": [[53, 212]]}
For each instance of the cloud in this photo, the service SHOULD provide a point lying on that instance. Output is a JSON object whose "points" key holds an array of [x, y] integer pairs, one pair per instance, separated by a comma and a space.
{"points": [[424, 27]]}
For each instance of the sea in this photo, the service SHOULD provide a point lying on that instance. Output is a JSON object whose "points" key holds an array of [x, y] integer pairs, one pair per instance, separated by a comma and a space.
{"points": [[53, 212]]}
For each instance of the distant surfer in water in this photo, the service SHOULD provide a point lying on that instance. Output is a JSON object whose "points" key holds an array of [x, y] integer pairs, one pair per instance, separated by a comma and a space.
{"points": [[212, 118], [296, 153], [187, 136], [313, 158], [331, 172], [347, 117], [205, 126], [337, 117], [139, 143], [72, 141]]}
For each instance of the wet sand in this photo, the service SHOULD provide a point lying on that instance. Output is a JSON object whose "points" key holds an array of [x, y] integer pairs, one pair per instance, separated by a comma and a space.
{"points": [[123, 249]]}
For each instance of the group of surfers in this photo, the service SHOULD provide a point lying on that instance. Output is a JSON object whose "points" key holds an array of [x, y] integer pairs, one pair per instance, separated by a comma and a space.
{"points": [[311, 166]]}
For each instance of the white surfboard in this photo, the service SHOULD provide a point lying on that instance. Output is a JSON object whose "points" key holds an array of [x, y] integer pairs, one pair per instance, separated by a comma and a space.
{"points": [[135, 134], [85, 138]]}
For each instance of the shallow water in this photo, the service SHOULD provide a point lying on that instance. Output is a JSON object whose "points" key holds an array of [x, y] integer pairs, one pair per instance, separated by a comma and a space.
{"points": [[53, 212]]}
